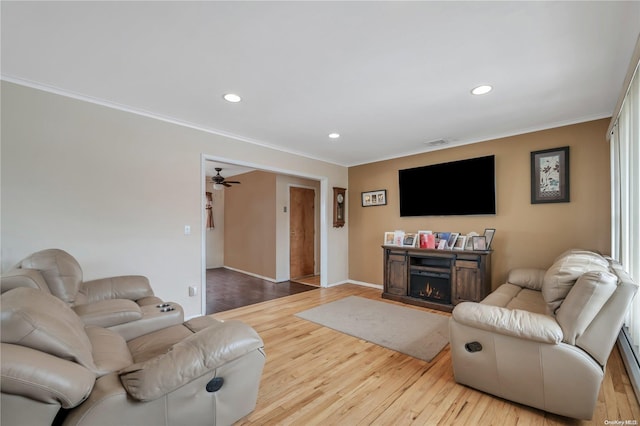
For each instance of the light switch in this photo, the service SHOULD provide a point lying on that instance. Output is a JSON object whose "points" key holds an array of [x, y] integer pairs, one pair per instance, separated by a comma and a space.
{"points": [[187, 230]]}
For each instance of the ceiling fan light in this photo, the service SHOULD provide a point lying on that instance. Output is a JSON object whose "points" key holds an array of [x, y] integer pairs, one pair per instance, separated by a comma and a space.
{"points": [[218, 186]]}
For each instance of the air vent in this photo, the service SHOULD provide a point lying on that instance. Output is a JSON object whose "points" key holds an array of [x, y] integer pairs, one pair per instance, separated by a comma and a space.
{"points": [[436, 142]]}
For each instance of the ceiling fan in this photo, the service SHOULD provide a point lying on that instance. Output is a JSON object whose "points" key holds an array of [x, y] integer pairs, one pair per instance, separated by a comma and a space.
{"points": [[219, 182]]}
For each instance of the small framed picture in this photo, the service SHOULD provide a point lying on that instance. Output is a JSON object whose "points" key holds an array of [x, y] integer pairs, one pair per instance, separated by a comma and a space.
{"points": [[398, 237], [461, 242], [488, 234], [426, 239], [469, 243], [479, 243], [374, 198], [442, 245], [409, 240], [389, 238], [451, 241]]}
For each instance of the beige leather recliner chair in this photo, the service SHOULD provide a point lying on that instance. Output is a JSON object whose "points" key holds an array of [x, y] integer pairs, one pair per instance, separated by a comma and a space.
{"points": [[125, 304], [57, 369], [543, 338]]}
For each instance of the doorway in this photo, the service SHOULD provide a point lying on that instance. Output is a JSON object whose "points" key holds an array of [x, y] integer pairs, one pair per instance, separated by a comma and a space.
{"points": [[321, 226], [302, 235]]}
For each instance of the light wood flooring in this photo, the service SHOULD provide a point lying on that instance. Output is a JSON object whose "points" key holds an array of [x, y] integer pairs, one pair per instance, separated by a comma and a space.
{"points": [[317, 376]]}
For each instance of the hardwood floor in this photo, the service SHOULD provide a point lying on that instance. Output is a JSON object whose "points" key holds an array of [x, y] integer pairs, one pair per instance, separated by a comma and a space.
{"points": [[227, 289], [314, 375]]}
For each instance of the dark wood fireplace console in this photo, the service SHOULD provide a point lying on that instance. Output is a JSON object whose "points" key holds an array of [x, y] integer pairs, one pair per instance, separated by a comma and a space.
{"points": [[437, 279]]}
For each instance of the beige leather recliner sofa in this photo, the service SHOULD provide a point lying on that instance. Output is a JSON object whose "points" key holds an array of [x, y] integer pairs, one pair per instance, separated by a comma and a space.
{"points": [[543, 338], [58, 370], [125, 304]]}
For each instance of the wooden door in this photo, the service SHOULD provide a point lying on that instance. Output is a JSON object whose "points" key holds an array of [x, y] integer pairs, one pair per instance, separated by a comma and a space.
{"points": [[301, 232]]}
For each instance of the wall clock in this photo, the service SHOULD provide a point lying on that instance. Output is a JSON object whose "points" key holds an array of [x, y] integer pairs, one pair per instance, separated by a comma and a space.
{"points": [[339, 207]]}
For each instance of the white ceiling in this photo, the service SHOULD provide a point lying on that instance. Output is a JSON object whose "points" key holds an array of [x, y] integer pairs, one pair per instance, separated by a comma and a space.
{"points": [[388, 76]]}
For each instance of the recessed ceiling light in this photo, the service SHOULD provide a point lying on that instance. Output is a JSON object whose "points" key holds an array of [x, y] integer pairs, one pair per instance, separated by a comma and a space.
{"points": [[481, 90], [334, 135], [232, 97]]}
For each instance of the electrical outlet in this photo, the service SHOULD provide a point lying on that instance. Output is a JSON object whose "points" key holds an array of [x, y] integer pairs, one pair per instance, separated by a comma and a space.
{"points": [[193, 290]]}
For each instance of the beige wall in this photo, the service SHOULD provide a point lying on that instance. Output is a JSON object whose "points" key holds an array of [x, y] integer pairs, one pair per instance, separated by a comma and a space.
{"points": [[526, 234], [250, 224], [116, 189]]}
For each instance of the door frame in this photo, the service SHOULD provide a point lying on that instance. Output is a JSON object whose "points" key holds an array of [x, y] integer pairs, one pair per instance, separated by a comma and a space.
{"points": [[324, 223]]}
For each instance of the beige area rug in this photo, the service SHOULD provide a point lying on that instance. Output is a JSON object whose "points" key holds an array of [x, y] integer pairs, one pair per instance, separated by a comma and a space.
{"points": [[416, 333]]}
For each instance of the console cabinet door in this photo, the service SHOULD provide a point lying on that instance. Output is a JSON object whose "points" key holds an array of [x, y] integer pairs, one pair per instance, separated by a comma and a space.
{"points": [[396, 279], [468, 282]]}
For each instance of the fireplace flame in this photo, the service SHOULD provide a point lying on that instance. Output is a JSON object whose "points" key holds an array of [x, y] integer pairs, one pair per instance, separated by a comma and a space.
{"points": [[432, 292]]}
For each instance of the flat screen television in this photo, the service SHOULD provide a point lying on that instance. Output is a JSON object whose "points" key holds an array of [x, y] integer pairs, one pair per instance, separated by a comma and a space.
{"points": [[465, 187]]}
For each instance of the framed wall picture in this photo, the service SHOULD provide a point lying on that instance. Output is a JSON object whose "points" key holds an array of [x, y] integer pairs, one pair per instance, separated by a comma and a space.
{"points": [[550, 176], [374, 198]]}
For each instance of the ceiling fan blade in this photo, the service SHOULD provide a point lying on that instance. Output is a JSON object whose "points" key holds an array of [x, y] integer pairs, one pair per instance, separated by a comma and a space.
{"points": [[231, 181], [226, 184]]}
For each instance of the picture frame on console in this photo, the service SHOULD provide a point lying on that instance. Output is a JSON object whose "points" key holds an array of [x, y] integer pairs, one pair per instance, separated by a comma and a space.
{"points": [[461, 242], [389, 238], [426, 239], [451, 241], [480, 243], [488, 234], [409, 240]]}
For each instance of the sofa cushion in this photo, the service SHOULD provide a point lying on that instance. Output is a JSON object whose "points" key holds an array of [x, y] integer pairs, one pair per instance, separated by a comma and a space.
{"points": [[41, 321], [23, 278], [60, 270], [54, 381], [583, 253], [107, 313], [588, 295], [531, 278], [562, 275], [512, 296]]}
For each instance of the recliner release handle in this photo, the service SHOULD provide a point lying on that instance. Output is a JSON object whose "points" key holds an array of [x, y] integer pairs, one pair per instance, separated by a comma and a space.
{"points": [[215, 384], [473, 347]]}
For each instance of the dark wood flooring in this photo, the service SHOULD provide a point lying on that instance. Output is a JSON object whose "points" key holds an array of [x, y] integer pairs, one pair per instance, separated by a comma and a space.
{"points": [[227, 289]]}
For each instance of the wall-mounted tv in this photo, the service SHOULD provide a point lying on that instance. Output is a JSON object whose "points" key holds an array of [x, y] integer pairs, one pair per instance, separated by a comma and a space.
{"points": [[465, 187]]}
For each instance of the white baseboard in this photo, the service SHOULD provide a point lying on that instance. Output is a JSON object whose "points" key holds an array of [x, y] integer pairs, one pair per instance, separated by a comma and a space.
{"points": [[362, 283], [273, 280]]}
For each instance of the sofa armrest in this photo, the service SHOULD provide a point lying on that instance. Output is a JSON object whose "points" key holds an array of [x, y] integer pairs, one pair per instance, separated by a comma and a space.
{"points": [[189, 359], [527, 277], [132, 287], [510, 322], [42, 377]]}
